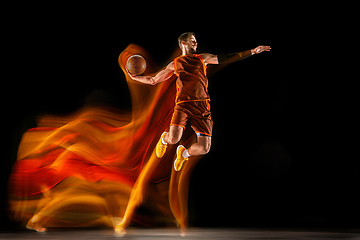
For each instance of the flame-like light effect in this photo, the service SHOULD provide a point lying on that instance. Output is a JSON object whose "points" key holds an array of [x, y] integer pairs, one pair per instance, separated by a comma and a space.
{"points": [[81, 170]]}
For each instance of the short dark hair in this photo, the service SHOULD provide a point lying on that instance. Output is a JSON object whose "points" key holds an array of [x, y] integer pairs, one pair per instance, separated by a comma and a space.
{"points": [[184, 37]]}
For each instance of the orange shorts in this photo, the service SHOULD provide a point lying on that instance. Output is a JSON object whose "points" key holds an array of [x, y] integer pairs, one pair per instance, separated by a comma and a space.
{"points": [[198, 112]]}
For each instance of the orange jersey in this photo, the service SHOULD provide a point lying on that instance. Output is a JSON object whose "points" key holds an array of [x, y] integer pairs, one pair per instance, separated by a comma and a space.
{"points": [[192, 82]]}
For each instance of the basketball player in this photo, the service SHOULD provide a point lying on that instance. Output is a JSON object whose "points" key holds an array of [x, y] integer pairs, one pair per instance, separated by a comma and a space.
{"points": [[192, 104], [192, 98]]}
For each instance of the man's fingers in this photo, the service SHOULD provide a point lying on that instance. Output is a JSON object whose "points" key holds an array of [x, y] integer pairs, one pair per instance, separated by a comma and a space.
{"points": [[262, 48], [265, 48]]}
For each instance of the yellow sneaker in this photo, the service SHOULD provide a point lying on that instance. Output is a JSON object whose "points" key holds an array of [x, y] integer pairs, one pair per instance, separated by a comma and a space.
{"points": [[160, 147], [179, 161]]}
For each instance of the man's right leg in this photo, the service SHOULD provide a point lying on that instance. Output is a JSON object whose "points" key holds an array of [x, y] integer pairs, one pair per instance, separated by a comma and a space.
{"points": [[171, 137], [174, 135]]}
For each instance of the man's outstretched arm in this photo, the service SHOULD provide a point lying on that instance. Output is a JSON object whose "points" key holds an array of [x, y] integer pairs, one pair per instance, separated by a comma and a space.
{"points": [[233, 57], [161, 76]]}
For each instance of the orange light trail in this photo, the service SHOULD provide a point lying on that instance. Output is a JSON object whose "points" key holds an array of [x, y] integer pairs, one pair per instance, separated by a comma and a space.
{"points": [[80, 170]]}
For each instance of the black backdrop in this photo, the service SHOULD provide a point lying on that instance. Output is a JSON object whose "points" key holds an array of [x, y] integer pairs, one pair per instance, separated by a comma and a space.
{"points": [[286, 132]]}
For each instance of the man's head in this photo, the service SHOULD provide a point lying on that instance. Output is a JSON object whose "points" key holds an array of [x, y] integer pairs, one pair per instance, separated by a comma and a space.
{"points": [[187, 42]]}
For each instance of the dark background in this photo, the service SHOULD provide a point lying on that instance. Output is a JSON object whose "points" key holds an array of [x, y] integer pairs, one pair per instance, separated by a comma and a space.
{"points": [[285, 150]]}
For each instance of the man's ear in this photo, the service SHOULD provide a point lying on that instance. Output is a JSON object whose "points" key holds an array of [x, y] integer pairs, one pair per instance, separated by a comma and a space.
{"points": [[183, 43]]}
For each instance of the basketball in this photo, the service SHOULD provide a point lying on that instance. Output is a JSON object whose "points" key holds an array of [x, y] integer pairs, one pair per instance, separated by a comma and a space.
{"points": [[136, 64]]}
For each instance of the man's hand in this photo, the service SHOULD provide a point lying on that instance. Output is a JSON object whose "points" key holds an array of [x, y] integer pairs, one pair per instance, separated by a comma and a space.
{"points": [[127, 71], [260, 49]]}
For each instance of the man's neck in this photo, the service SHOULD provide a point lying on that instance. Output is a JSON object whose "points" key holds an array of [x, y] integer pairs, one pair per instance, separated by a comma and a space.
{"points": [[184, 52]]}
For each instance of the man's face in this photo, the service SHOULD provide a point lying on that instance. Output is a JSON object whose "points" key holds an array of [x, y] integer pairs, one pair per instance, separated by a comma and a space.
{"points": [[191, 44]]}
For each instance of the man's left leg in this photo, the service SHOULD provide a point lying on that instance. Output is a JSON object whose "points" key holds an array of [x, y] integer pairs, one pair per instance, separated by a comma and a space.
{"points": [[201, 123], [201, 147]]}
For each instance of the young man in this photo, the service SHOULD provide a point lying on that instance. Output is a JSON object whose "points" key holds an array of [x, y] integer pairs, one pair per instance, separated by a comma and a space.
{"points": [[192, 104], [192, 98]]}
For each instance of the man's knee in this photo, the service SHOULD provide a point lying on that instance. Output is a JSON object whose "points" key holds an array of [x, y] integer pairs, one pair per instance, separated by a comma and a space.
{"points": [[205, 148], [173, 139], [175, 134]]}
